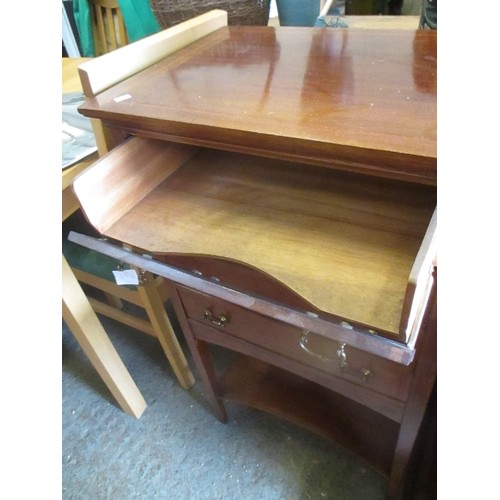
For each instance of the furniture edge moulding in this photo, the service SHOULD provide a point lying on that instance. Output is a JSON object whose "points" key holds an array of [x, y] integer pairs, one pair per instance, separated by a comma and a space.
{"points": [[385, 348], [109, 69], [419, 285]]}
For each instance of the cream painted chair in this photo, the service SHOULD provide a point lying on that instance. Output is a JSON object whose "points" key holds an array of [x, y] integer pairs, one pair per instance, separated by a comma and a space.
{"points": [[95, 273], [108, 27], [96, 75]]}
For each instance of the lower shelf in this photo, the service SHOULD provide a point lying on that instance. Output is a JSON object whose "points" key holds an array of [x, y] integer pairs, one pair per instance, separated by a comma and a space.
{"points": [[265, 387]]}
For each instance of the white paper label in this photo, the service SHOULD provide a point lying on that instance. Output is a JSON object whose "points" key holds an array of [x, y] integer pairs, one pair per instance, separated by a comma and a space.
{"points": [[126, 277], [123, 97]]}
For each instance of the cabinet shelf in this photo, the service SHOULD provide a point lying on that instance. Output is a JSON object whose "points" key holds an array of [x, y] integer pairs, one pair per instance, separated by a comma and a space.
{"points": [[296, 400]]}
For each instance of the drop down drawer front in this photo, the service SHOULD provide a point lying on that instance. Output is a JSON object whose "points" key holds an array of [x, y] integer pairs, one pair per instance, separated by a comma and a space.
{"points": [[354, 247]]}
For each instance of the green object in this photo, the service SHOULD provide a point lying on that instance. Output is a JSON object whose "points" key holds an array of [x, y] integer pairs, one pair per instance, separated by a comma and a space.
{"points": [[138, 17], [322, 22], [81, 13], [297, 12], [90, 261]]}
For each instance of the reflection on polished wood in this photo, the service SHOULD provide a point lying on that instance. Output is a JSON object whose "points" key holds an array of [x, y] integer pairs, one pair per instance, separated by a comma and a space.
{"points": [[316, 96]]}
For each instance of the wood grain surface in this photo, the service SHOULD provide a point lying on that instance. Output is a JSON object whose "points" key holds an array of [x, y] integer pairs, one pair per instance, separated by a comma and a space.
{"points": [[361, 100], [344, 242]]}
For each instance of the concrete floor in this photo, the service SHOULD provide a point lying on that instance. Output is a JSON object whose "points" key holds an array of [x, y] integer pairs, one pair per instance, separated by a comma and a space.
{"points": [[179, 450]]}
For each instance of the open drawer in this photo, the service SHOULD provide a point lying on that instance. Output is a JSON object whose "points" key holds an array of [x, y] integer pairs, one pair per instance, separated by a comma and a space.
{"points": [[359, 250]]}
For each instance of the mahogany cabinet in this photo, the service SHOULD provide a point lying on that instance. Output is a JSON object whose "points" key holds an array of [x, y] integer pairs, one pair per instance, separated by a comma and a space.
{"points": [[283, 180]]}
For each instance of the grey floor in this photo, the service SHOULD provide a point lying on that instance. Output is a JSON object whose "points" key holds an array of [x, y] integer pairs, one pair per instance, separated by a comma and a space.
{"points": [[179, 450]]}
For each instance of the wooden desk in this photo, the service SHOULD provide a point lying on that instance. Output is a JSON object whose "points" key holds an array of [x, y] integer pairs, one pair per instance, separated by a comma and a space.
{"points": [[77, 312], [284, 182]]}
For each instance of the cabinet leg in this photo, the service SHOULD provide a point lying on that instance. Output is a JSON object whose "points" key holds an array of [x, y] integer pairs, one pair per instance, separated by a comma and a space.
{"points": [[205, 366], [423, 383], [201, 358]]}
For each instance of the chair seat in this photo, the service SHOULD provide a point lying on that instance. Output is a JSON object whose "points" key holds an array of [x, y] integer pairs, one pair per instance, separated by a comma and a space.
{"points": [[92, 262], [95, 270]]}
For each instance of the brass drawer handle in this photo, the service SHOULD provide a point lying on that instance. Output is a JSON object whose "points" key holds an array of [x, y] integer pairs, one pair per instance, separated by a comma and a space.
{"points": [[219, 321], [364, 373]]}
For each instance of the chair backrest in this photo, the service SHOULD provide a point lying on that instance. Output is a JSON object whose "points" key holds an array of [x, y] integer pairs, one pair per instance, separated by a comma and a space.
{"points": [[108, 27]]}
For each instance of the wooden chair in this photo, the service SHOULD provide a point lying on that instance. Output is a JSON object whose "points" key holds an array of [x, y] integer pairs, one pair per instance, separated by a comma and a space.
{"points": [[96, 271], [96, 76], [108, 27]]}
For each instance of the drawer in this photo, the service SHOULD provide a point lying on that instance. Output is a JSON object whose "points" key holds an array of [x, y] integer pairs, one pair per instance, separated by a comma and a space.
{"points": [[353, 247], [315, 351]]}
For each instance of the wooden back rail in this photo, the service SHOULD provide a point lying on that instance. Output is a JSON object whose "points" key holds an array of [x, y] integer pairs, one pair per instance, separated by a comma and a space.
{"points": [[103, 72]]}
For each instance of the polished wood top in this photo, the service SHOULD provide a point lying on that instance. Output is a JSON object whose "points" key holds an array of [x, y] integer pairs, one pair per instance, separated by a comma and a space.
{"points": [[362, 100]]}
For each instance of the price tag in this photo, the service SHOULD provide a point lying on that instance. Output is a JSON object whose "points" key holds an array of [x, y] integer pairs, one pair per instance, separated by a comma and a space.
{"points": [[126, 277]]}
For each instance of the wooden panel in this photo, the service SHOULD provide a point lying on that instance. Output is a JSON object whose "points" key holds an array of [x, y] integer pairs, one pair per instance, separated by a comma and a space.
{"points": [[312, 350], [420, 283], [240, 277], [384, 22], [345, 243], [88, 331], [362, 100], [70, 203], [389, 407], [120, 179], [297, 400], [70, 79]]}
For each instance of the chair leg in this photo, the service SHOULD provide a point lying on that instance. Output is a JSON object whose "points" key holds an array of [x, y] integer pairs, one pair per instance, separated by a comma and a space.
{"points": [[163, 328], [88, 331]]}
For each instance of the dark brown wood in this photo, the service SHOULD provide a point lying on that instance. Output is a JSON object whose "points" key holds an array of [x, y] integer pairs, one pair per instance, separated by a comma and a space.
{"points": [[391, 408], [423, 383], [201, 356], [356, 101], [360, 100], [239, 277], [312, 350], [309, 405]]}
